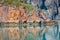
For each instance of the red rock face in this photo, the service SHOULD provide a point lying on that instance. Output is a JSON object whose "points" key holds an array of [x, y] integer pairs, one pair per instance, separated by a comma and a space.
{"points": [[21, 14], [1, 12]]}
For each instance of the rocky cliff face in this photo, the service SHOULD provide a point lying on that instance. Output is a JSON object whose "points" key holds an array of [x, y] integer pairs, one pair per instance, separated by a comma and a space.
{"points": [[12, 14], [21, 14]]}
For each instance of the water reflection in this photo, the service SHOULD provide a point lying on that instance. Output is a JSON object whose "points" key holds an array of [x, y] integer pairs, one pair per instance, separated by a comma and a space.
{"points": [[29, 32]]}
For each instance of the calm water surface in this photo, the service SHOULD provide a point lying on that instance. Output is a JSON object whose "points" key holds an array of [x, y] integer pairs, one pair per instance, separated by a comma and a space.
{"points": [[29, 32]]}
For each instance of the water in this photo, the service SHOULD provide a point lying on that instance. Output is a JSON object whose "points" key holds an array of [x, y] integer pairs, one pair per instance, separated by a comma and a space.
{"points": [[29, 32]]}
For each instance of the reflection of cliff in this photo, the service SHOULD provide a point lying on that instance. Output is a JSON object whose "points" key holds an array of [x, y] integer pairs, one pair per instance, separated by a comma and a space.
{"points": [[16, 33]]}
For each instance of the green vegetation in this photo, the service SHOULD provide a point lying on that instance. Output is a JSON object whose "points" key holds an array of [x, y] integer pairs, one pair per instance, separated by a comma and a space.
{"points": [[12, 2], [18, 3], [30, 7], [8, 1]]}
